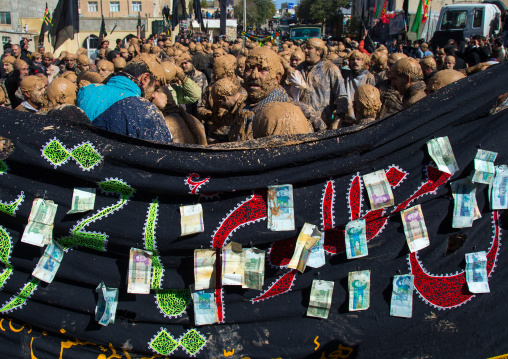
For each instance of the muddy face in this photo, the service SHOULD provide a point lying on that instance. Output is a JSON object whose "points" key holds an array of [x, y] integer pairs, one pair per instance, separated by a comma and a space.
{"points": [[356, 61], [262, 72], [8, 68], [449, 62], [224, 66], [159, 99], [240, 66], [61, 91], [105, 68], [38, 94]]}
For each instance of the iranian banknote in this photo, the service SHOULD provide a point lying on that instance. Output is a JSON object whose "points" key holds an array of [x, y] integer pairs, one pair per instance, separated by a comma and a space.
{"points": [[498, 188], [83, 199], [307, 238], [205, 309], [233, 264], [39, 230], [254, 273], [49, 263], [476, 272], [414, 228], [204, 268], [379, 190], [441, 152], [320, 299], [402, 296], [107, 301], [484, 168], [280, 208], [191, 219], [140, 271], [317, 253], [464, 203], [359, 290], [356, 239]]}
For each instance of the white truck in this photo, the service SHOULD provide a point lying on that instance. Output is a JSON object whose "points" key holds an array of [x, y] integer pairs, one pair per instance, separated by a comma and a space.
{"points": [[461, 21]]}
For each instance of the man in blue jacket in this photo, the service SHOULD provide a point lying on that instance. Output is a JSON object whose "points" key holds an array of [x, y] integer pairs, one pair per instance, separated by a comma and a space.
{"points": [[122, 104]]}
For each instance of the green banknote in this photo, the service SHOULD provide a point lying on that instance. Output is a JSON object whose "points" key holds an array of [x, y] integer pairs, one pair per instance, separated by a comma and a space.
{"points": [[379, 190], [476, 272], [280, 214], [83, 199], [356, 239], [39, 230], [414, 228], [105, 311], [441, 152], [402, 296], [498, 188], [49, 263], [359, 290], [484, 168], [464, 203], [320, 299], [254, 271]]}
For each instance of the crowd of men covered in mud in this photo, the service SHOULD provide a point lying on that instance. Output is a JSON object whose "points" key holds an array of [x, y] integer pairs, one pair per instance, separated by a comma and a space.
{"points": [[203, 93]]}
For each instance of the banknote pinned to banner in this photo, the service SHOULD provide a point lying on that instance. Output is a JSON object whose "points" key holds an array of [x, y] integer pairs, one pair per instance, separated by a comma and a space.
{"points": [[233, 264], [379, 190], [476, 272], [359, 290], [317, 254], [254, 272], [140, 271], [440, 150], [402, 296], [498, 188], [307, 238], [356, 239], [49, 263], [204, 268], [281, 215], [191, 219], [320, 299], [205, 309], [484, 168], [105, 311], [39, 230], [83, 199], [465, 208], [414, 228]]}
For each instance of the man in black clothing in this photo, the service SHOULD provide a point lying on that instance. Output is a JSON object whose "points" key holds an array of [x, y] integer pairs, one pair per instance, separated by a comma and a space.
{"points": [[450, 50]]}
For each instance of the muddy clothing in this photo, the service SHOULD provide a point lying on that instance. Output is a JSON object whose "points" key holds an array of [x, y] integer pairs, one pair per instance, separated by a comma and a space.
{"points": [[325, 89], [186, 93], [12, 85], [7, 103], [379, 76], [414, 94], [26, 107], [295, 84], [52, 72], [73, 69], [200, 79], [390, 98], [352, 82], [426, 78]]}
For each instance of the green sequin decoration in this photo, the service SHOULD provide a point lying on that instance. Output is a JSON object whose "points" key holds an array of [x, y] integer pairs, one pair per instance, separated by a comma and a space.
{"points": [[97, 241], [55, 153], [22, 297], [173, 302], [12, 207], [86, 156], [5, 251], [3, 167], [164, 343], [192, 342]]}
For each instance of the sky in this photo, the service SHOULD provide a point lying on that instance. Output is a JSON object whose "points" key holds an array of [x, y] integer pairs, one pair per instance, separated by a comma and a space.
{"points": [[278, 2]]}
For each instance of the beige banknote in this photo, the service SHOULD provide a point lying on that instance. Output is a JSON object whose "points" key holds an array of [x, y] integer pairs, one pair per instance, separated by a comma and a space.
{"points": [[140, 271], [308, 237], [440, 150], [359, 290], [233, 264], [415, 228], [83, 199], [191, 219], [204, 268], [379, 190], [39, 230]]}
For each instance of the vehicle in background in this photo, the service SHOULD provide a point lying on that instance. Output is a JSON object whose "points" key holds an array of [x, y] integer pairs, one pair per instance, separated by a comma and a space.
{"points": [[304, 32]]}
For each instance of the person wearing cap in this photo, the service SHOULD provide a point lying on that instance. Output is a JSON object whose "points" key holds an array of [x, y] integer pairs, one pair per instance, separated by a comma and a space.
{"points": [[33, 89], [51, 69], [122, 104], [325, 90], [199, 78]]}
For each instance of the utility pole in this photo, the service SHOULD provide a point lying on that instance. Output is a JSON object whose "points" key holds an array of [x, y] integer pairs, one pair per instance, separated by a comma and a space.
{"points": [[245, 15]]}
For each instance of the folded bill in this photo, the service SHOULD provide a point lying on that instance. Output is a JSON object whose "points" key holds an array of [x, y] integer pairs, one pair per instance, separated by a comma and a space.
{"points": [[105, 311], [317, 254], [140, 271], [476, 272], [356, 239], [83, 199], [191, 219], [359, 290], [233, 264], [204, 268], [205, 309], [39, 230], [254, 273], [280, 208], [498, 188], [414, 228], [379, 190], [441, 152], [307, 238], [402, 296], [49, 263], [320, 299], [484, 168], [464, 203]]}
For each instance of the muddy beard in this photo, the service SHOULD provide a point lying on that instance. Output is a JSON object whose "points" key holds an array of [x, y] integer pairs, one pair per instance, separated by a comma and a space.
{"points": [[265, 87]]}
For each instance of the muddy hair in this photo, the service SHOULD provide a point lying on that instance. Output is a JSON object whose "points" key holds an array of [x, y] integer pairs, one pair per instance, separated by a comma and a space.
{"points": [[204, 63], [136, 69]]}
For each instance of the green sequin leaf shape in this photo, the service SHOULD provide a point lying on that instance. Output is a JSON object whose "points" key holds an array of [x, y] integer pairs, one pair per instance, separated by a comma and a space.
{"points": [[98, 240], [192, 342], [85, 155], [171, 302], [5, 255], [10, 208], [163, 343], [3, 168], [20, 299]]}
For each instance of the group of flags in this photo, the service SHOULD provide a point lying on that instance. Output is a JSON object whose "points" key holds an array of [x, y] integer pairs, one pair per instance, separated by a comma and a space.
{"points": [[421, 14], [63, 26]]}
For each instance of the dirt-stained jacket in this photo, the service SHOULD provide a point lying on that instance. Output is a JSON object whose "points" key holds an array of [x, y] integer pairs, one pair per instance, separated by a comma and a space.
{"points": [[325, 90]]}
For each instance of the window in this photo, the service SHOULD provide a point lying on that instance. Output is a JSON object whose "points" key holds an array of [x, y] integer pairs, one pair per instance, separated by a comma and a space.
{"points": [[5, 18], [5, 40], [477, 19], [136, 6], [114, 6], [92, 6], [454, 20]]}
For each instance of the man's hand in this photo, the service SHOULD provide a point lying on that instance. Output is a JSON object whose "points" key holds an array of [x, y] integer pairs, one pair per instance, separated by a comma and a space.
{"points": [[180, 75]]}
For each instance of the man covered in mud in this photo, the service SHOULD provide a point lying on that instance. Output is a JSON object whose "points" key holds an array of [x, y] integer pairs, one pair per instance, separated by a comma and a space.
{"points": [[33, 89], [325, 90]]}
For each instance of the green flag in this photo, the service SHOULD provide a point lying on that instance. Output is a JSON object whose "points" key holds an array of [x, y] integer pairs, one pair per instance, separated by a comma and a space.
{"points": [[418, 19]]}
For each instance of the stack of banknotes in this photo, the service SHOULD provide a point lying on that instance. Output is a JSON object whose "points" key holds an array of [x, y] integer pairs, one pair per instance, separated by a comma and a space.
{"points": [[484, 168], [39, 230], [465, 208], [205, 309], [320, 299]]}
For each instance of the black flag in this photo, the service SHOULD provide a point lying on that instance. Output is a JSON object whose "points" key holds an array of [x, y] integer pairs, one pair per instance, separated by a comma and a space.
{"points": [[65, 21], [46, 25], [199, 15], [174, 18], [223, 16], [103, 32]]}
